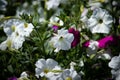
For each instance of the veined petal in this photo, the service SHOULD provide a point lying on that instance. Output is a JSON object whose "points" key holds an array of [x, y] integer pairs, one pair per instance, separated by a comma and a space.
{"points": [[51, 63], [41, 63], [38, 72], [92, 22], [69, 37]]}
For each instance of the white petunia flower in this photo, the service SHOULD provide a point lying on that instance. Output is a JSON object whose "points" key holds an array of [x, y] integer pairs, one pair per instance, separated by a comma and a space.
{"points": [[62, 40], [10, 26], [14, 41], [115, 62], [46, 67], [100, 21], [25, 29]]}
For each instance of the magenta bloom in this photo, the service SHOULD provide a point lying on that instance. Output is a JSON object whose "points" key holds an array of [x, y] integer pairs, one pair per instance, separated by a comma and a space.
{"points": [[86, 44], [12, 78], [76, 34], [108, 40], [55, 28], [104, 42]]}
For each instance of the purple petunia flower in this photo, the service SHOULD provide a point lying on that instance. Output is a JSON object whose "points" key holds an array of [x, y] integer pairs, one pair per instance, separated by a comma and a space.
{"points": [[12, 78], [76, 34]]}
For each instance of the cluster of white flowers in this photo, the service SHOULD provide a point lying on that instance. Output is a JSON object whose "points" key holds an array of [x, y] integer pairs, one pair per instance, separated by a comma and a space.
{"points": [[115, 65], [52, 71], [16, 32]]}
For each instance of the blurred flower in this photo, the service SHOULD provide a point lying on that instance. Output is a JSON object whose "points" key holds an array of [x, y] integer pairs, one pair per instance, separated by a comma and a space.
{"points": [[23, 76], [76, 34], [12, 78], [100, 21], [94, 4], [115, 62], [27, 8], [92, 44], [84, 17], [115, 65], [70, 74], [55, 21], [46, 67], [3, 4], [52, 4], [62, 40], [116, 74]]}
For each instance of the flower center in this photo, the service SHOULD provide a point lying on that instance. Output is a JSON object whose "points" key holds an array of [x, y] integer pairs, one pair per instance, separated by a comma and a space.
{"points": [[61, 38], [100, 21], [25, 25], [17, 34], [46, 71], [13, 28], [68, 78]]}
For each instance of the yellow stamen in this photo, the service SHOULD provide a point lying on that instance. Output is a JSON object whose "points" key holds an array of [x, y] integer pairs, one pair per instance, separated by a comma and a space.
{"points": [[25, 25], [13, 27], [46, 71], [68, 78]]}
